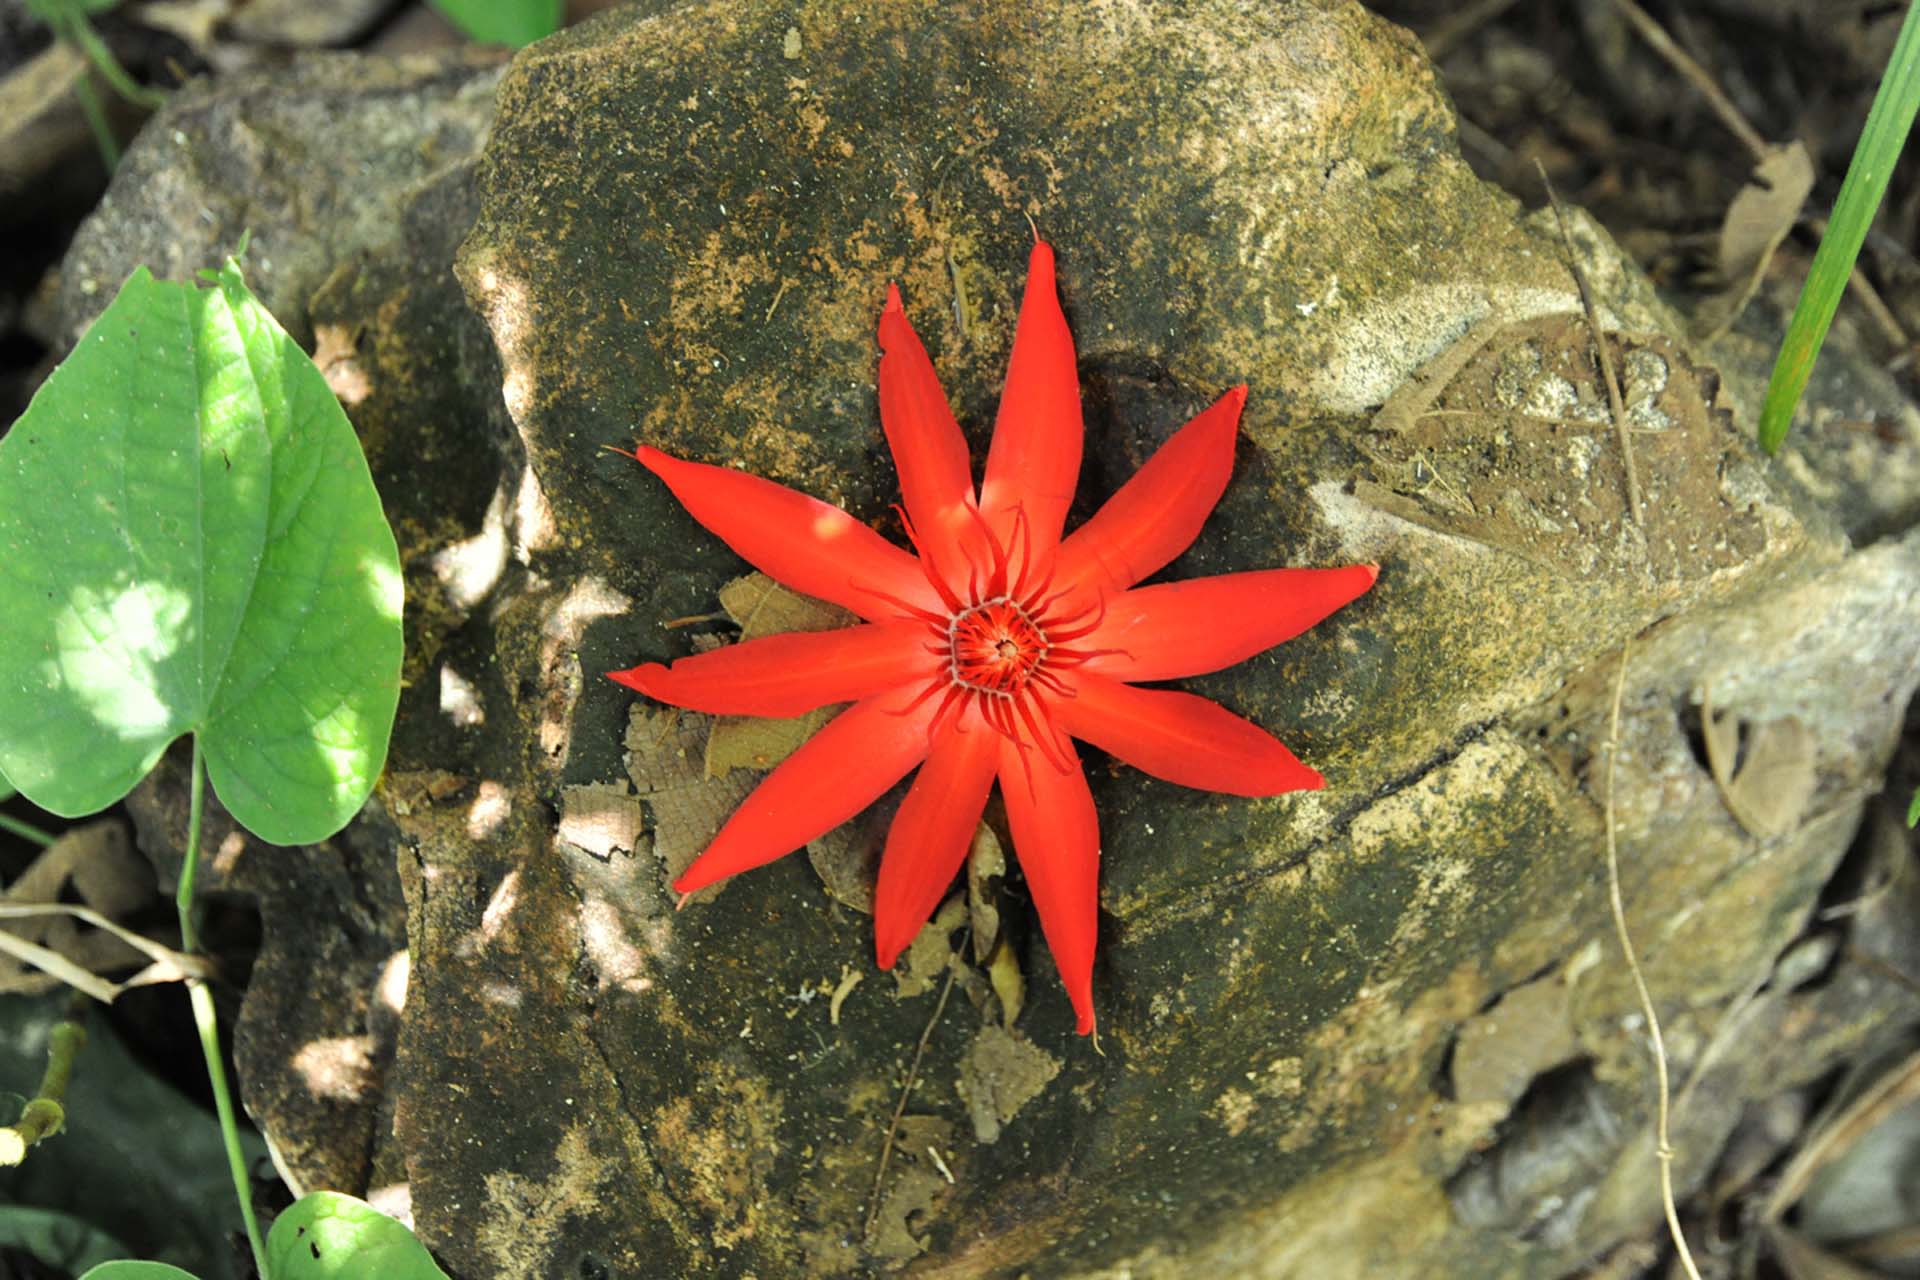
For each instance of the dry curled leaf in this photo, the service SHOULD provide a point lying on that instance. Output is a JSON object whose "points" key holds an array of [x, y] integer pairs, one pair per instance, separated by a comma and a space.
{"points": [[1768, 779], [930, 952], [49, 945], [1758, 219], [986, 869]]}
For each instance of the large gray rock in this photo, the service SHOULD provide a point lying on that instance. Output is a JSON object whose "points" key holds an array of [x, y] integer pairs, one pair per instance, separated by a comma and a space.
{"points": [[353, 178], [1379, 1030], [688, 220]]}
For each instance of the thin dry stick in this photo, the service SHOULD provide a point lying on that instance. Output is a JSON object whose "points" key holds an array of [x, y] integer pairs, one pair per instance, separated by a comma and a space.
{"points": [[1663, 1151], [1600, 345], [1888, 1093], [1737, 124], [1694, 74], [1448, 34], [906, 1091]]}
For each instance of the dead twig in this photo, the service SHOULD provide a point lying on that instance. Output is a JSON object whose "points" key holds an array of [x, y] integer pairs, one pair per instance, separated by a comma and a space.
{"points": [[1451, 32], [1694, 74], [906, 1092], [1663, 1149], [1749, 137], [1887, 1094], [1607, 375]]}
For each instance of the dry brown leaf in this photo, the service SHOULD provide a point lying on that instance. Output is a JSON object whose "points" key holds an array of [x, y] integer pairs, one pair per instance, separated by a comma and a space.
{"points": [[917, 1184], [1840, 1131], [986, 869], [763, 607], [601, 817], [760, 742], [1758, 219], [1801, 1259], [930, 952], [50, 945], [847, 857], [664, 752], [1002, 1072], [1768, 786]]}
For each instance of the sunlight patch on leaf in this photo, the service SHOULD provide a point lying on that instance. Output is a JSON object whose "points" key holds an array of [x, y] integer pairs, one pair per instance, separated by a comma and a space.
{"points": [[195, 546]]}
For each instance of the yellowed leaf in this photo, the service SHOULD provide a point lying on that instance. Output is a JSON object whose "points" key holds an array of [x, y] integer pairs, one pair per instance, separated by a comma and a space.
{"points": [[763, 607], [1009, 984], [986, 869]]}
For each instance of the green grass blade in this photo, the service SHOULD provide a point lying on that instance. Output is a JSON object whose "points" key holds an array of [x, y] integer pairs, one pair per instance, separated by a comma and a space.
{"points": [[509, 22], [1873, 159]]}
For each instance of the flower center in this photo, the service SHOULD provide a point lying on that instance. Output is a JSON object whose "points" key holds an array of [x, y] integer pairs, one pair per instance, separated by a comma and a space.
{"points": [[995, 646]]}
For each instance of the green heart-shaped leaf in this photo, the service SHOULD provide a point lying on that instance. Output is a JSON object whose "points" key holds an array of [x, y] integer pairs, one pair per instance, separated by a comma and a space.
{"points": [[324, 1235], [190, 541], [130, 1270]]}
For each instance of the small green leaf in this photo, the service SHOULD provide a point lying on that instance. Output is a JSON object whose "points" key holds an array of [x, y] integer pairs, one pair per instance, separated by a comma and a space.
{"points": [[190, 541], [137, 1271], [510, 22], [58, 1239], [1913, 809], [325, 1234]]}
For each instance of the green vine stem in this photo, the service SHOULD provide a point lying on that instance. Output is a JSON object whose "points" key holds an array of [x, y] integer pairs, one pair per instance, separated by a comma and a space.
{"points": [[203, 1015], [46, 1113], [97, 122], [25, 830]]}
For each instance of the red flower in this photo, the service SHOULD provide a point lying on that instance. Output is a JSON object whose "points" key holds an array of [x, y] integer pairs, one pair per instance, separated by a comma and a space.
{"points": [[985, 656]]}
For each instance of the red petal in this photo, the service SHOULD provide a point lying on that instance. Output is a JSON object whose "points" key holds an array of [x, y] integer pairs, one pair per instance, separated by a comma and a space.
{"points": [[1182, 739], [936, 475], [1158, 513], [1185, 628], [1034, 462], [835, 774], [788, 674], [1056, 836], [932, 832], [806, 544]]}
